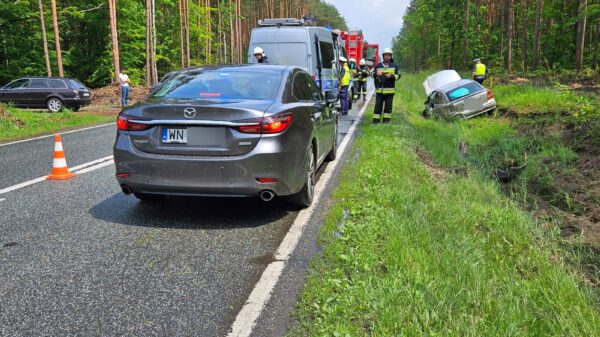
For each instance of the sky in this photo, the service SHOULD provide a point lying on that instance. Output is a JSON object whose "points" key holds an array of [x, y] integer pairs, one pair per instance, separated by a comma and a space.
{"points": [[380, 20]]}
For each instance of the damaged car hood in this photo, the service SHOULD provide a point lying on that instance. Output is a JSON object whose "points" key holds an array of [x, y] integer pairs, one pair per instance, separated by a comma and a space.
{"points": [[439, 80]]}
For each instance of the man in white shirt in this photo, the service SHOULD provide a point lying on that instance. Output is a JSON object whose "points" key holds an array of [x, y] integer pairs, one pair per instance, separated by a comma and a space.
{"points": [[124, 81]]}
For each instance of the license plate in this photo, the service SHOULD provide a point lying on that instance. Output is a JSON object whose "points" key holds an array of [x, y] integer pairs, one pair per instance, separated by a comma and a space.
{"points": [[86, 94], [178, 136]]}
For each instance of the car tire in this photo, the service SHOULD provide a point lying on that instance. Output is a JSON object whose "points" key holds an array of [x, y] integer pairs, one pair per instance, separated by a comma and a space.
{"points": [[147, 197], [76, 108], [54, 104], [305, 197], [333, 152]]}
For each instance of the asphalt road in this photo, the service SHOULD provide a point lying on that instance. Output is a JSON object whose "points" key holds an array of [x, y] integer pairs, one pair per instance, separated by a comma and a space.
{"points": [[79, 258]]}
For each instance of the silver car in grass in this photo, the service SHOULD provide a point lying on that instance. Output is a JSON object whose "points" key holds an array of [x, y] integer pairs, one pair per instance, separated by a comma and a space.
{"points": [[227, 131], [449, 96]]}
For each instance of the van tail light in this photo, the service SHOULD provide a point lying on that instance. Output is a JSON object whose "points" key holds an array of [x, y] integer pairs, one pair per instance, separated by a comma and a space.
{"points": [[268, 125], [490, 94], [124, 123]]}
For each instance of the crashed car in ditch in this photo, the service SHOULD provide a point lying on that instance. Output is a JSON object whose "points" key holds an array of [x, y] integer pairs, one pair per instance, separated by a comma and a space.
{"points": [[449, 96]]}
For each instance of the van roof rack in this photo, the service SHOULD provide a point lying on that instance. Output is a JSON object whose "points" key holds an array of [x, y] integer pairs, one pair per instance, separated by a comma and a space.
{"points": [[281, 22]]}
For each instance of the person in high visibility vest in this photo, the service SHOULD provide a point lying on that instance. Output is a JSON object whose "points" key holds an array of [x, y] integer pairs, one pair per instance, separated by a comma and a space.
{"points": [[385, 74], [479, 71], [343, 86], [363, 76]]}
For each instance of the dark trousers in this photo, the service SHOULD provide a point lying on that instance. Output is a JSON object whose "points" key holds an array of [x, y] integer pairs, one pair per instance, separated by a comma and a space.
{"points": [[344, 100], [362, 89], [479, 79], [380, 101]]}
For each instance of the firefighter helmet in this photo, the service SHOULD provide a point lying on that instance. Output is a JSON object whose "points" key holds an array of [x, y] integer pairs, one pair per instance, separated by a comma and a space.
{"points": [[352, 59], [388, 51], [259, 50], [362, 62]]}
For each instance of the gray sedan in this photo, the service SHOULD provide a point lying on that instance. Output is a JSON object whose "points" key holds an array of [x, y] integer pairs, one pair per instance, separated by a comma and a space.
{"points": [[459, 99], [238, 131]]}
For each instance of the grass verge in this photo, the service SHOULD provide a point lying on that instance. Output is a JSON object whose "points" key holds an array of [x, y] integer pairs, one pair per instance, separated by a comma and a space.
{"points": [[412, 249], [19, 123]]}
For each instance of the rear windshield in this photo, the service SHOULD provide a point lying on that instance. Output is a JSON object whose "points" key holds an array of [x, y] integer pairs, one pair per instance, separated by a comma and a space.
{"points": [[465, 90], [77, 85], [221, 85]]}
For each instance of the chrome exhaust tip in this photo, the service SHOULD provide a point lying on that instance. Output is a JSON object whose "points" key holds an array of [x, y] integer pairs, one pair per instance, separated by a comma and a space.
{"points": [[267, 195], [126, 189]]}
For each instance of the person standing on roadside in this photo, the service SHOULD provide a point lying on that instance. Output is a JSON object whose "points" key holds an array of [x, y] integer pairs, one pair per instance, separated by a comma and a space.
{"points": [[343, 86], [479, 71], [385, 74], [363, 76], [124, 81]]}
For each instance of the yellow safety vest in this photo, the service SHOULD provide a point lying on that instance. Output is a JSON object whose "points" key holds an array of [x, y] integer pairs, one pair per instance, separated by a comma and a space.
{"points": [[480, 69], [345, 80]]}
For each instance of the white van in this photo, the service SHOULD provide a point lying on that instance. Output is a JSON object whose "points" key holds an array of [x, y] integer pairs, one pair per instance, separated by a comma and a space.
{"points": [[294, 42]]}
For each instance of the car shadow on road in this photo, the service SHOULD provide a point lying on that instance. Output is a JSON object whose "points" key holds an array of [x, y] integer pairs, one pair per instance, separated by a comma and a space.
{"points": [[192, 212]]}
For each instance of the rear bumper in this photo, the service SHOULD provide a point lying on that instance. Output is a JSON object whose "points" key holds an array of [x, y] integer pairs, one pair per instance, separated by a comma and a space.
{"points": [[71, 102], [233, 176]]}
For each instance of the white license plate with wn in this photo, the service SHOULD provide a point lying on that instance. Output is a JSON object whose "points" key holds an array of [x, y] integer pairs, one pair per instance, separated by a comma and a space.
{"points": [[178, 136]]}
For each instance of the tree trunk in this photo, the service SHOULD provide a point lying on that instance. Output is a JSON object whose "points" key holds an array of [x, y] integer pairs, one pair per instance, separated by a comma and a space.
{"points": [[44, 40], [596, 44], [539, 7], [466, 37], [181, 34], [509, 34], [524, 33], [153, 51], [579, 49], [57, 40], [477, 19], [186, 17], [148, 43]]}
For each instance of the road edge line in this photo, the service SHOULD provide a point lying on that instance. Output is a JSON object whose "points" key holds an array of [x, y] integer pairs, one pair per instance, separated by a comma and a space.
{"points": [[246, 319]]}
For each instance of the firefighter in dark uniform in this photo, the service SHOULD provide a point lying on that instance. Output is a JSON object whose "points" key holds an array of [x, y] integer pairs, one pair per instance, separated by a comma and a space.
{"points": [[363, 76], [385, 74]]}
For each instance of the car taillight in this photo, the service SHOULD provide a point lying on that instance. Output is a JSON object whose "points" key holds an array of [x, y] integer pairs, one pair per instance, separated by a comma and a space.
{"points": [[269, 125], [123, 123], [490, 94]]}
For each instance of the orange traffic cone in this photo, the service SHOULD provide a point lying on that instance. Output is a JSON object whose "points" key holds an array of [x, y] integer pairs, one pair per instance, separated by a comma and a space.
{"points": [[60, 171]]}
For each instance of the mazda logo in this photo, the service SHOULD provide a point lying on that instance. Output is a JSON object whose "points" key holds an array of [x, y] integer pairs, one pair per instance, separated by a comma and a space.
{"points": [[189, 112]]}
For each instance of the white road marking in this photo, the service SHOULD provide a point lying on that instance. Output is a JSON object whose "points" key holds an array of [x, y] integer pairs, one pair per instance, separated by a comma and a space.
{"points": [[95, 167], [21, 185], [2, 199], [93, 162], [246, 318], [83, 168], [52, 135]]}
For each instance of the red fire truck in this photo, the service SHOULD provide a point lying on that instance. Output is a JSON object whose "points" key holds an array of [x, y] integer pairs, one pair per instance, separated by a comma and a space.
{"points": [[353, 41], [371, 54], [358, 48]]}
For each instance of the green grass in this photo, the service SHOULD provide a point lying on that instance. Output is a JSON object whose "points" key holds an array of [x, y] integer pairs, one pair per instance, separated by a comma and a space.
{"points": [[527, 99], [410, 251], [19, 123]]}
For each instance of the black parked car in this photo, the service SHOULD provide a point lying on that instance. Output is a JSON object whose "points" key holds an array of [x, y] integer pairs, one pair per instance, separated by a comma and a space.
{"points": [[54, 93]]}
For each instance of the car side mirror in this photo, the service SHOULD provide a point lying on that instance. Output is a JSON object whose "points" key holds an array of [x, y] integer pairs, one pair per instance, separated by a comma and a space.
{"points": [[331, 96]]}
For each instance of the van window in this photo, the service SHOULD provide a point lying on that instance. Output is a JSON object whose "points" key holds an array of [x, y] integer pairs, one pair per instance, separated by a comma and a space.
{"points": [[293, 54], [327, 55]]}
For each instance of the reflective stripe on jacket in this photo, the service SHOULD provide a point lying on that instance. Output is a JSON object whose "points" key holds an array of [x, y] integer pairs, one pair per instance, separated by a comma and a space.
{"points": [[385, 85]]}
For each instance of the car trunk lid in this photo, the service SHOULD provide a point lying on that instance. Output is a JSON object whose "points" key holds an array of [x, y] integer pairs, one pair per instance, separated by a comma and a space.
{"points": [[208, 128]]}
